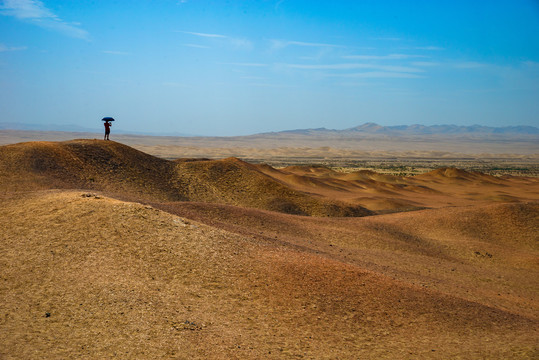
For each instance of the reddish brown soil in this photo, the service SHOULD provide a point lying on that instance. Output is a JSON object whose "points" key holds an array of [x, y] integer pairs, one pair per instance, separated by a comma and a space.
{"points": [[123, 171], [83, 275], [386, 193]]}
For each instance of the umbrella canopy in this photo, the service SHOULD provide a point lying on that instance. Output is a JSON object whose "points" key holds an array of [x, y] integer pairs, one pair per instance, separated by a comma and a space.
{"points": [[107, 119]]}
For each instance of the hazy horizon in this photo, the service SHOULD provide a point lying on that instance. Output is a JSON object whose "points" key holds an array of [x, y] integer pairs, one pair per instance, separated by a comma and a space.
{"points": [[221, 69], [365, 129]]}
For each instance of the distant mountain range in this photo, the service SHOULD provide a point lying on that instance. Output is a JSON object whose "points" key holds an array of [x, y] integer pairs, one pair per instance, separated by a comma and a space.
{"points": [[401, 130], [365, 129], [445, 129]]}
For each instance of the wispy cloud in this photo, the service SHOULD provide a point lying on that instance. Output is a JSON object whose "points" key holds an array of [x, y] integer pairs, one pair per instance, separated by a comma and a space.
{"points": [[247, 64], [238, 43], [271, 85], [196, 46], [8, 48], [352, 66], [253, 77], [387, 38], [425, 63], [379, 74], [383, 57], [529, 63], [430, 48], [35, 12], [26, 9], [280, 44], [113, 52], [206, 35], [359, 70], [278, 4], [468, 65]]}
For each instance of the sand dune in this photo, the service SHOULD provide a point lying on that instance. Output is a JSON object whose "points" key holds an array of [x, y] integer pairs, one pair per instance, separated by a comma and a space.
{"points": [[89, 276], [109, 252], [386, 193], [124, 171], [514, 155]]}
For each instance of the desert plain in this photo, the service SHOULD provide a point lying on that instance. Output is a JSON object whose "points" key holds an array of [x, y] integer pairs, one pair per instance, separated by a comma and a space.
{"points": [[268, 247]]}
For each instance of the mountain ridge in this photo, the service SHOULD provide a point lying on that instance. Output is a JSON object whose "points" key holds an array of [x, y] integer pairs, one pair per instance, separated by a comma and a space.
{"points": [[370, 128], [417, 129]]}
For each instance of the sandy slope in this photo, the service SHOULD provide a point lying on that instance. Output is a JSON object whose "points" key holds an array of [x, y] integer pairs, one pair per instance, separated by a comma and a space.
{"points": [[124, 171], [208, 271], [481, 253], [386, 193], [92, 277]]}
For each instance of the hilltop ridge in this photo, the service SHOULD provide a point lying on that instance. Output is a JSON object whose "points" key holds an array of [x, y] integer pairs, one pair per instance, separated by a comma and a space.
{"points": [[111, 252], [121, 170], [302, 190]]}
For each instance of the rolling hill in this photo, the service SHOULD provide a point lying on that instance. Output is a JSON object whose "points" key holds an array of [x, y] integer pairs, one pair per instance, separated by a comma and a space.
{"points": [[89, 276], [108, 252], [129, 173]]}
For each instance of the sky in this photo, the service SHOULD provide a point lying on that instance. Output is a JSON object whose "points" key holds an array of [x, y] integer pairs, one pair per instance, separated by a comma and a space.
{"points": [[222, 68]]}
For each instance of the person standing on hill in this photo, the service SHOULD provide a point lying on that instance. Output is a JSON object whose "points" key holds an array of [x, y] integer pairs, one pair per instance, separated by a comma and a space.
{"points": [[107, 127]]}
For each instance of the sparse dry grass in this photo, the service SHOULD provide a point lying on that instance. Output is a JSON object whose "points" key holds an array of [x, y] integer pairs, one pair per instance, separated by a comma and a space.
{"points": [[92, 277], [396, 155], [129, 173], [84, 275]]}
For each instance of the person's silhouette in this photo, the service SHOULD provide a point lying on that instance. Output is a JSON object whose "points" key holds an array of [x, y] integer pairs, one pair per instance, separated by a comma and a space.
{"points": [[107, 129]]}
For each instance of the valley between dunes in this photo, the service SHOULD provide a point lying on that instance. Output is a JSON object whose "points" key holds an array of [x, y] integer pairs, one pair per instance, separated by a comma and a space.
{"points": [[108, 252]]}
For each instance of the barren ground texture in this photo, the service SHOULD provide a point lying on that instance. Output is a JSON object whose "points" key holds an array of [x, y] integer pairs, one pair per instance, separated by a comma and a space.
{"points": [[109, 252], [389, 154]]}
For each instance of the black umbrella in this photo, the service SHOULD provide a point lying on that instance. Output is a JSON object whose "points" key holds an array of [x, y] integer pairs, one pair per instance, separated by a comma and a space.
{"points": [[107, 119]]}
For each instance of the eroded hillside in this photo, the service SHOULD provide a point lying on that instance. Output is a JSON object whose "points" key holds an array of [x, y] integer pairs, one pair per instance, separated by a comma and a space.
{"points": [[108, 252], [88, 276], [128, 173]]}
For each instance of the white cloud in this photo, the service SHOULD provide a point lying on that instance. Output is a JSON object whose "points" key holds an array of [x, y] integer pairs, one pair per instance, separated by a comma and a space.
{"points": [[360, 70], [253, 77], [352, 66], [206, 35], [425, 63], [26, 9], [432, 48], [270, 85], [247, 64], [280, 44], [387, 38], [379, 74], [530, 63], [34, 12], [468, 65], [7, 48], [196, 46], [383, 57], [116, 52], [238, 43]]}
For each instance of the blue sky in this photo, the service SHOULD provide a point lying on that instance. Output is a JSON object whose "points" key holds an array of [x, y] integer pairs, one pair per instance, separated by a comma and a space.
{"points": [[243, 67]]}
